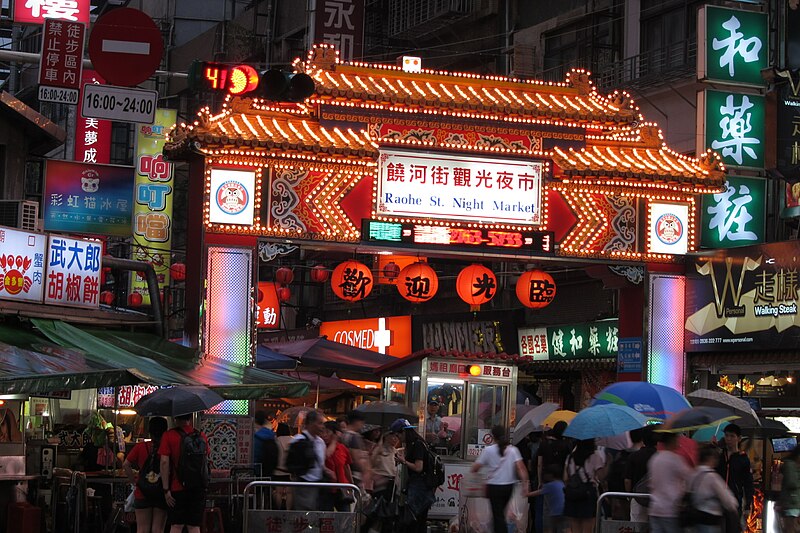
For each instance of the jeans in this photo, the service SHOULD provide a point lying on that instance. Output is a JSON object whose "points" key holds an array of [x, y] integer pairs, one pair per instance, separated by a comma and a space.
{"points": [[661, 524], [499, 495]]}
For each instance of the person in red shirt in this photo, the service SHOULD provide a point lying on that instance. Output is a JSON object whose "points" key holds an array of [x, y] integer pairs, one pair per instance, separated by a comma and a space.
{"points": [[151, 514], [337, 461], [185, 504]]}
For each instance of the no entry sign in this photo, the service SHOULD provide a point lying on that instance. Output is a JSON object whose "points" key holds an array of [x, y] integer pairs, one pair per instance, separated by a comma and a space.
{"points": [[125, 47]]}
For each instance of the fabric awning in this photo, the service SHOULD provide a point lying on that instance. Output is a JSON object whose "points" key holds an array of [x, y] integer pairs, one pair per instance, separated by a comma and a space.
{"points": [[269, 359], [323, 354]]}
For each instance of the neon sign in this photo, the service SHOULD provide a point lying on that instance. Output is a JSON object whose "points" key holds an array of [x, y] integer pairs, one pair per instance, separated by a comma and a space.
{"points": [[542, 242]]}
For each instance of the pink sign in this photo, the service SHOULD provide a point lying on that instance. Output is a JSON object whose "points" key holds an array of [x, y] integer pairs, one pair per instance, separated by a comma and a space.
{"points": [[92, 135], [62, 54], [37, 11]]}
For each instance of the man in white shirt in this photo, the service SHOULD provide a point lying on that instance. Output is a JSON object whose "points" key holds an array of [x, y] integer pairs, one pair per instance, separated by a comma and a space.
{"points": [[433, 422], [305, 498], [669, 473]]}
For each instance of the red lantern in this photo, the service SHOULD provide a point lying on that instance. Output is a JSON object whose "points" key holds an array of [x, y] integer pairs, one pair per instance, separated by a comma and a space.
{"points": [[351, 281], [536, 289], [391, 271], [106, 297], [178, 271], [320, 274], [284, 293], [418, 282], [284, 276], [134, 299], [476, 285]]}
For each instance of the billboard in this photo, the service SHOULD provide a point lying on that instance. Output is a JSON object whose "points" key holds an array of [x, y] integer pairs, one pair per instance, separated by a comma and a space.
{"points": [[21, 265], [592, 340], [73, 272], [743, 298]]}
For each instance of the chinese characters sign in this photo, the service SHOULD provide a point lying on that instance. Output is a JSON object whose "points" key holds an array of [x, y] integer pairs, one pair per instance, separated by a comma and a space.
{"points": [[153, 193], [341, 23], [735, 217], [594, 340], [21, 265], [268, 306], [61, 62], [743, 298], [39, 11], [668, 228], [734, 46], [297, 521], [464, 188], [129, 395], [92, 136], [446, 367], [734, 125], [86, 198], [73, 272]]}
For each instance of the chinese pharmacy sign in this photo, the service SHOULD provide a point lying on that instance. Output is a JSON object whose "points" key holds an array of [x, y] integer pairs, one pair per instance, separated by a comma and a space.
{"points": [[594, 340], [743, 298], [21, 265], [465, 188], [736, 216], [733, 46], [37, 11], [73, 272], [87, 198], [734, 126], [153, 193]]}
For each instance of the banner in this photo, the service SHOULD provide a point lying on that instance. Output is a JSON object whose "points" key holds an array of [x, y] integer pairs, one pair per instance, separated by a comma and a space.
{"points": [[21, 265], [743, 299], [87, 198], [153, 194], [593, 340]]}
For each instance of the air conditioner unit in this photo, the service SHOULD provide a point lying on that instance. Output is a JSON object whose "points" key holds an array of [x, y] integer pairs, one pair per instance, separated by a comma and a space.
{"points": [[21, 214]]}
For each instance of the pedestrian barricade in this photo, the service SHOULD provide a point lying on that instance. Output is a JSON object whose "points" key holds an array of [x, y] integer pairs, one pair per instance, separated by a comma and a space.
{"points": [[607, 524], [261, 514]]}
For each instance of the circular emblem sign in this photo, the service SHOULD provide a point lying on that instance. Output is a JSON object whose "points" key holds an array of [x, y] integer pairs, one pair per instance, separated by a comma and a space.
{"points": [[669, 228], [232, 197]]}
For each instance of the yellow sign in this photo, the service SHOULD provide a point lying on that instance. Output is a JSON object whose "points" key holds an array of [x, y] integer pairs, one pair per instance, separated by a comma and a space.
{"points": [[153, 193]]}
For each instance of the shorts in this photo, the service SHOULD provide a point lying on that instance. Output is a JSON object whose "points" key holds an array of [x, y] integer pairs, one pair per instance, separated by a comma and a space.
{"points": [[189, 508], [146, 503]]}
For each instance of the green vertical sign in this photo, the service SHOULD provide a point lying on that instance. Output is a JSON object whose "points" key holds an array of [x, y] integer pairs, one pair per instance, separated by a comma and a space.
{"points": [[735, 127], [734, 46], [736, 216]]}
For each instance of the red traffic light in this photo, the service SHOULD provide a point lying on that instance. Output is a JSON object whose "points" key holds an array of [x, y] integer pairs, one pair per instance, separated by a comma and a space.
{"points": [[233, 79]]}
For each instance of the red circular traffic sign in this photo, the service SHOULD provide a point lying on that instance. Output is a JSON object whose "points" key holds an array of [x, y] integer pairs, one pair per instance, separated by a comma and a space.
{"points": [[125, 47]]}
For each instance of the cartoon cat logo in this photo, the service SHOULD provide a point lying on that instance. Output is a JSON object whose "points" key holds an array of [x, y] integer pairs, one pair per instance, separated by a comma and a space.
{"points": [[90, 181]]}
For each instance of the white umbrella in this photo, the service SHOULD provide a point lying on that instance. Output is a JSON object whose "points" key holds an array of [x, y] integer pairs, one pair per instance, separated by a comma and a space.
{"points": [[736, 406], [532, 420]]}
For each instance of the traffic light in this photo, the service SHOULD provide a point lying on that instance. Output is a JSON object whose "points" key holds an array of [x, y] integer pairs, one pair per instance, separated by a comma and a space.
{"points": [[238, 80], [283, 86]]}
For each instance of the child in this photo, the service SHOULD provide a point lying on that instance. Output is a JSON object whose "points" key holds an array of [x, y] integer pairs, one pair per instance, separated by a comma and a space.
{"points": [[553, 492]]}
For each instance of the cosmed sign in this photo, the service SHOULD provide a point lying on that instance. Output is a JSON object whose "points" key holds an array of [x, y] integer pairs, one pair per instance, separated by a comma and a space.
{"points": [[465, 188]]}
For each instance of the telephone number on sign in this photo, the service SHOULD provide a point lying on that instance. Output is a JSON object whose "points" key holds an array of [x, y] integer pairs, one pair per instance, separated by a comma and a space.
{"points": [[110, 102], [58, 94]]}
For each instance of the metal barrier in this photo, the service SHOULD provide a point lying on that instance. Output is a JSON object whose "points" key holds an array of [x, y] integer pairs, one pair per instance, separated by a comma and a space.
{"points": [[619, 526], [258, 516]]}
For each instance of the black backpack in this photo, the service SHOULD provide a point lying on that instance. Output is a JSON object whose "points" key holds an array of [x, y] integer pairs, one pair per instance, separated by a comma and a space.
{"points": [[433, 468], [300, 457], [579, 488], [616, 472], [194, 472], [149, 480]]}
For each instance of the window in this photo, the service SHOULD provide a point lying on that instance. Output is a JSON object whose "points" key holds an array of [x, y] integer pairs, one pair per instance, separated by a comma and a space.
{"points": [[668, 34], [121, 143]]}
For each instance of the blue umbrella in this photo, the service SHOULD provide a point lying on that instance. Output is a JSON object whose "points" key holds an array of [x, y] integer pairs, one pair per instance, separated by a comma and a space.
{"points": [[707, 434], [653, 401], [604, 421]]}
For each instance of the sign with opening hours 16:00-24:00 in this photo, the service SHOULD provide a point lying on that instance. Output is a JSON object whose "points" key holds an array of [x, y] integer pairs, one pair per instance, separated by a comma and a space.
{"points": [[122, 104]]}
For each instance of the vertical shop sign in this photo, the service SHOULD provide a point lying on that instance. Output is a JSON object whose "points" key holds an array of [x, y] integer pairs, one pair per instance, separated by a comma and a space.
{"points": [[61, 61], [734, 125], [21, 265], [629, 355], [86, 198], [73, 272], [341, 23], [92, 136], [39, 11], [733, 46], [736, 216], [533, 343], [788, 134], [153, 194]]}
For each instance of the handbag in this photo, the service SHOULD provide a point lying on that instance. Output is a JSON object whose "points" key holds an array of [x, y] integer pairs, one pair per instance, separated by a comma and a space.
{"points": [[579, 488], [129, 502]]}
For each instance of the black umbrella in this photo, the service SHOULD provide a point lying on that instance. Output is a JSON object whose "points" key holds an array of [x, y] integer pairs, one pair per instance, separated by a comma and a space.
{"points": [[177, 401], [383, 413], [697, 417]]}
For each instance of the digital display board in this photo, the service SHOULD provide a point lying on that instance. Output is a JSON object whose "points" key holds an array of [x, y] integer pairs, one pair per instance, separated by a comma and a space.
{"points": [[541, 242]]}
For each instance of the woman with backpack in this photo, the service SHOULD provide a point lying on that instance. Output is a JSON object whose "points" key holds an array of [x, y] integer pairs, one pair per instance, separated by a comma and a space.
{"points": [[149, 504], [505, 467], [585, 469]]}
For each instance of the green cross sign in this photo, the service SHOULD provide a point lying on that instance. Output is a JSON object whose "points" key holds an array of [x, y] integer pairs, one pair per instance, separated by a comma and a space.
{"points": [[733, 46], [736, 216], [734, 126]]}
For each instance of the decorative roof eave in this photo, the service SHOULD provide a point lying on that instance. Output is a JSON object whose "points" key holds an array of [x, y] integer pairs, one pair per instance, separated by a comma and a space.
{"points": [[389, 88]]}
